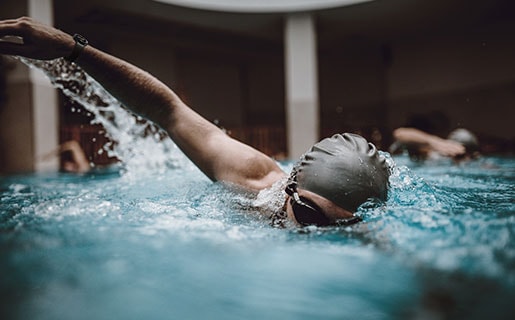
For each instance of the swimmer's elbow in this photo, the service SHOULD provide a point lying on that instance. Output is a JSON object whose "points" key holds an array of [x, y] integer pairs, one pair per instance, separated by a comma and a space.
{"points": [[400, 133], [254, 172]]}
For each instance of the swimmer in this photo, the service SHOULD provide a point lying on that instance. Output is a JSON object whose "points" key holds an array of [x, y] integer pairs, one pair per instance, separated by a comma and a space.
{"points": [[326, 187], [460, 144], [73, 157]]}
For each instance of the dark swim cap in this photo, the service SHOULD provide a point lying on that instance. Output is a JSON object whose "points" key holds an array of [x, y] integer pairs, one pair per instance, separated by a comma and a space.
{"points": [[345, 169], [466, 138]]}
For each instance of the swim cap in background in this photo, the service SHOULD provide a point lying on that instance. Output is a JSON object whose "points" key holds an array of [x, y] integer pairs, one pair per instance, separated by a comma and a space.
{"points": [[345, 169], [466, 138]]}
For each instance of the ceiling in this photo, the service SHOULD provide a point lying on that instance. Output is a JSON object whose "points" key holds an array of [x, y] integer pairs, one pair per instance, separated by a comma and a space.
{"points": [[380, 20], [261, 6]]}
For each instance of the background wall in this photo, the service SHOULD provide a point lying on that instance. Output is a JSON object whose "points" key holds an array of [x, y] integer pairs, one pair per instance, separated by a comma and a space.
{"points": [[352, 87], [470, 76], [28, 117], [379, 63], [457, 62]]}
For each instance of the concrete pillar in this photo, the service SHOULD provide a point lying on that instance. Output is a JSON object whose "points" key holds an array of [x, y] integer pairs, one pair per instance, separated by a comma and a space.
{"points": [[29, 120], [302, 101], [44, 99]]}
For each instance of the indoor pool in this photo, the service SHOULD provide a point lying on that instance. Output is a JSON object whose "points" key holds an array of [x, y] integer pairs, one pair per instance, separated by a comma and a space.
{"points": [[155, 239]]}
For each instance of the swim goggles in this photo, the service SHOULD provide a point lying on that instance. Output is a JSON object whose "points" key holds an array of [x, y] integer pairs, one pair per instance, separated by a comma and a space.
{"points": [[306, 212]]}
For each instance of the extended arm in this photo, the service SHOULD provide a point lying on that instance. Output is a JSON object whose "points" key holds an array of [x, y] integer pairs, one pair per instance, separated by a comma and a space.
{"points": [[78, 156], [219, 156], [412, 136], [80, 162]]}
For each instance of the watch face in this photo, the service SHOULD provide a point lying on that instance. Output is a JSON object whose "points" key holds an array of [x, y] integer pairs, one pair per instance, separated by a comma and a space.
{"points": [[80, 39], [80, 43]]}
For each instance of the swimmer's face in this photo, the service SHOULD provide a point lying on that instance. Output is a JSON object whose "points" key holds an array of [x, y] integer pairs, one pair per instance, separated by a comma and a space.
{"points": [[329, 209]]}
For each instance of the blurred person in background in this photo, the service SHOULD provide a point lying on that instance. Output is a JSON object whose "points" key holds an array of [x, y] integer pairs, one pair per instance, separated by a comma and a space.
{"points": [[422, 139]]}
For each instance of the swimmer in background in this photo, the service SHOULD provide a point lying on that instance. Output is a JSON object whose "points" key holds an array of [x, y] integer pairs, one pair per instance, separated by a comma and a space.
{"points": [[73, 158], [460, 144], [326, 186]]}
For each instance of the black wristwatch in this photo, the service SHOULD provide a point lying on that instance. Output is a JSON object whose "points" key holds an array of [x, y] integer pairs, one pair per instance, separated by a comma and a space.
{"points": [[80, 44]]}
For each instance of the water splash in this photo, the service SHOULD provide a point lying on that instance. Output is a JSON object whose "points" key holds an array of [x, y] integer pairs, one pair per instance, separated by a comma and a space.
{"points": [[408, 189], [139, 144]]}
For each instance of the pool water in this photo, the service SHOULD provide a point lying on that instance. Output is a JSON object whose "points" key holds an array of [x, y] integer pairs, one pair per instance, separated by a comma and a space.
{"points": [[171, 244], [155, 239]]}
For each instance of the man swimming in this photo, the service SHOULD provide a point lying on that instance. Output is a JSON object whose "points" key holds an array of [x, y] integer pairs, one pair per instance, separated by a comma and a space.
{"points": [[460, 144], [326, 187]]}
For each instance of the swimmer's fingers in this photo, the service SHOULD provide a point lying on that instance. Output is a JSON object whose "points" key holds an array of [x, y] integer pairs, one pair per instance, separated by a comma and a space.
{"points": [[11, 38], [10, 27], [453, 148], [24, 50], [457, 148], [13, 30], [9, 48], [28, 38], [448, 147]]}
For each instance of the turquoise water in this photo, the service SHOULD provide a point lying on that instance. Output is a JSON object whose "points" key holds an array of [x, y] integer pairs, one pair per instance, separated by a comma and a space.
{"points": [[169, 244], [155, 239]]}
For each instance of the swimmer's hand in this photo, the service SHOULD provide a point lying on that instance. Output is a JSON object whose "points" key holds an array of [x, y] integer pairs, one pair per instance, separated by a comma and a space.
{"points": [[31, 39], [445, 147], [413, 136]]}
